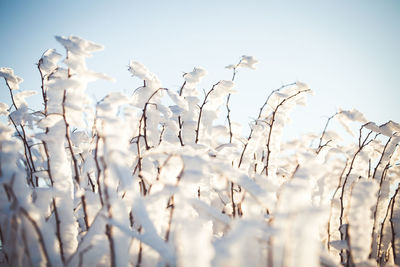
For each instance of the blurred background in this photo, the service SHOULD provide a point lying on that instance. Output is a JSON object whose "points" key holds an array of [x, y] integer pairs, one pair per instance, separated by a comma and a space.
{"points": [[347, 51]]}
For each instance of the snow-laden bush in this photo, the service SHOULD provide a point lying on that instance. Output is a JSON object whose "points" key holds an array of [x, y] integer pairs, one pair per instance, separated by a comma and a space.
{"points": [[129, 181]]}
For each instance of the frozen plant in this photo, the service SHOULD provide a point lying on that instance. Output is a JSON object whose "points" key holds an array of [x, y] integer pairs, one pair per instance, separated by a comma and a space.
{"points": [[131, 181]]}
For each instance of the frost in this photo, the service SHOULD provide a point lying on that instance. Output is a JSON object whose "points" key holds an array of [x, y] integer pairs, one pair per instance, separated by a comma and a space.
{"points": [[353, 115], [78, 46], [3, 109], [19, 98], [339, 244], [390, 128], [245, 62], [12, 80], [49, 60], [61, 85], [22, 115], [195, 76], [302, 85], [164, 177], [178, 100], [225, 87], [140, 71], [373, 127], [362, 198], [93, 76], [248, 62], [209, 211]]}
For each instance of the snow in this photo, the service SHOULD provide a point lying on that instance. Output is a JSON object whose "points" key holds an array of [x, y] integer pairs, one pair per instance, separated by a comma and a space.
{"points": [[124, 180], [78, 46], [19, 98], [49, 60], [363, 197], [195, 76], [3, 109], [12, 80]]}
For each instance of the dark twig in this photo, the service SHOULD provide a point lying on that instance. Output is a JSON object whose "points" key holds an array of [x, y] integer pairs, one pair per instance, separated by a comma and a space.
{"points": [[39, 233], [320, 145], [144, 118], [258, 119], [392, 226], [109, 228], [382, 178], [23, 136], [201, 111], [171, 203], [58, 230], [272, 124], [362, 144], [99, 171], [228, 110], [82, 253], [332, 202], [389, 213], [180, 122], [68, 137], [233, 201]]}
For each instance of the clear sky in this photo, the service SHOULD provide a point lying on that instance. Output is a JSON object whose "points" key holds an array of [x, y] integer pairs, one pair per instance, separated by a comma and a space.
{"points": [[347, 51]]}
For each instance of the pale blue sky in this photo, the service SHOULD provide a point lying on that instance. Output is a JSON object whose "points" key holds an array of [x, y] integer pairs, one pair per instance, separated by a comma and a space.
{"points": [[347, 51]]}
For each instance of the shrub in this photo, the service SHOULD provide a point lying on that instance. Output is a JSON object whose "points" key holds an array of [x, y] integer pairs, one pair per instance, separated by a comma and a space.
{"points": [[131, 181]]}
